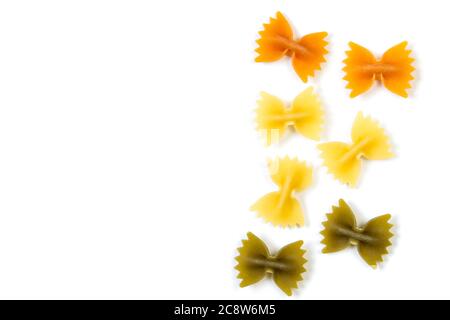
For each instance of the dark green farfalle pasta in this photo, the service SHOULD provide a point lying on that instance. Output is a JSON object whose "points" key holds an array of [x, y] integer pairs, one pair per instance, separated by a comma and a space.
{"points": [[255, 263], [342, 231]]}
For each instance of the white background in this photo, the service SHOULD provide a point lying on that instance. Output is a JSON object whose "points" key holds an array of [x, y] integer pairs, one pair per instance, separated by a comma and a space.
{"points": [[129, 155]]}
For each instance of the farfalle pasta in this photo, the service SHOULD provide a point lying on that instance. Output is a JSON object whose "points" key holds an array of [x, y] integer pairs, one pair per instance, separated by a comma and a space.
{"points": [[341, 231], [277, 41], [344, 160], [393, 69], [255, 263], [305, 114], [281, 208]]}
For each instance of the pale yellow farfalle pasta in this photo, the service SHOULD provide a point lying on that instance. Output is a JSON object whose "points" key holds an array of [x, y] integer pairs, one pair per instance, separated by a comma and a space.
{"points": [[281, 207], [305, 115], [344, 160]]}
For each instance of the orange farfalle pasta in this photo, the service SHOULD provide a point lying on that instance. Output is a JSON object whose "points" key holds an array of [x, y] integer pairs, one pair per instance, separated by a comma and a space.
{"points": [[281, 208], [393, 70], [305, 115], [368, 141], [277, 40]]}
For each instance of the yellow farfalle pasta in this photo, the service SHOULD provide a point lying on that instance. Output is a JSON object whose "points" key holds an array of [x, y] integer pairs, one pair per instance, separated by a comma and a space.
{"points": [[255, 263], [341, 231], [393, 69], [305, 115], [281, 208], [369, 141]]}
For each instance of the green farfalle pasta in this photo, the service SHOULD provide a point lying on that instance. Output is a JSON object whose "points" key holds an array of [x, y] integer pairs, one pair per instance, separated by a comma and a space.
{"points": [[341, 231], [255, 263]]}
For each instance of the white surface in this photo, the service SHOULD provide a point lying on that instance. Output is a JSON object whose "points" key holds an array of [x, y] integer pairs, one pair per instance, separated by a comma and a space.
{"points": [[129, 157]]}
